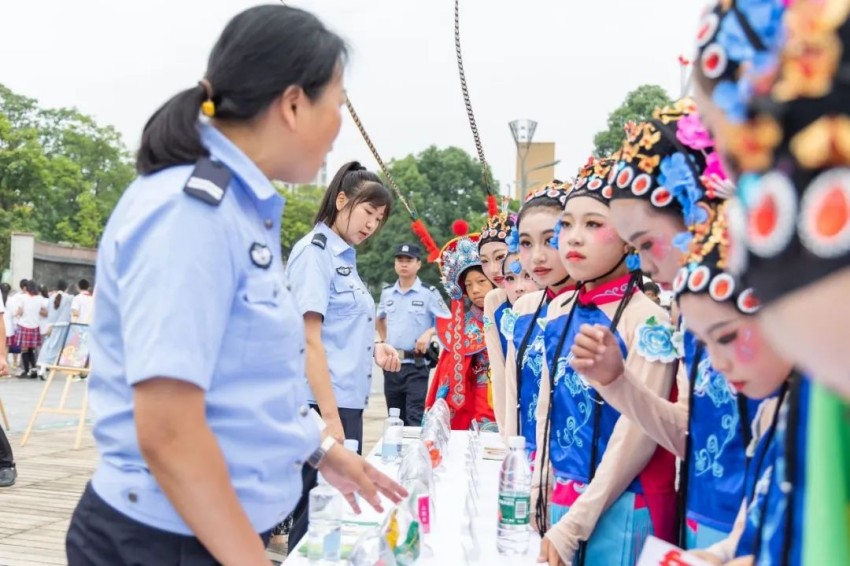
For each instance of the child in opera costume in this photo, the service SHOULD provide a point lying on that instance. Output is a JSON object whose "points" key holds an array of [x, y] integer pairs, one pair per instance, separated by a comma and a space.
{"points": [[613, 485], [462, 375]]}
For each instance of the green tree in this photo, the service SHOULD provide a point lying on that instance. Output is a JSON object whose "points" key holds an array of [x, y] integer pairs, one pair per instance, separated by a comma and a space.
{"points": [[302, 203], [60, 173], [638, 106]]}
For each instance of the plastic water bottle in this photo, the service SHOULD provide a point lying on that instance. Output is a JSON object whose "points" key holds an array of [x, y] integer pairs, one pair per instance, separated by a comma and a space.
{"points": [[514, 500], [324, 535], [393, 434]]}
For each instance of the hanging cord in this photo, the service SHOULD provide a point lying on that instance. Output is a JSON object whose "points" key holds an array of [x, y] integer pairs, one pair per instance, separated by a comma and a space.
{"points": [[685, 468], [410, 210], [417, 225], [790, 484], [520, 353], [599, 403], [492, 204], [542, 496], [758, 464]]}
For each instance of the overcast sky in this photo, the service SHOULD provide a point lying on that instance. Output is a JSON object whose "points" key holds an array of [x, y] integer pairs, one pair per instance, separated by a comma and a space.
{"points": [[564, 63]]}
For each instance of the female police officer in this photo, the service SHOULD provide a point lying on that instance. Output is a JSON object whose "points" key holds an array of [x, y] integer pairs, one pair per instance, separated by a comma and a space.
{"points": [[339, 312], [197, 348]]}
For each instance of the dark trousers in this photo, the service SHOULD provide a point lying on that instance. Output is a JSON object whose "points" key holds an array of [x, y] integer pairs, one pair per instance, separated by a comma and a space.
{"points": [[6, 458], [352, 426], [101, 536], [28, 359], [406, 390]]}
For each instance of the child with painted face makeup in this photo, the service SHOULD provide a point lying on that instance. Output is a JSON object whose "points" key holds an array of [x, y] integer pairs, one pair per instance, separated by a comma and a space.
{"points": [[492, 249], [790, 234], [661, 187], [518, 281], [720, 312], [535, 227], [613, 485]]}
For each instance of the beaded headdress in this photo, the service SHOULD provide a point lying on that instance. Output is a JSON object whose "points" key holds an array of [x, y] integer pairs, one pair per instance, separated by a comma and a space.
{"points": [[706, 267], [497, 229], [794, 218], [735, 39], [592, 179], [458, 255]]}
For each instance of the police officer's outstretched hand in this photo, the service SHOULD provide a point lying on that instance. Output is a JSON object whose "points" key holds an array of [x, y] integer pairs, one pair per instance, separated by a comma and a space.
{"points": [[351, 474], [387, 357]]}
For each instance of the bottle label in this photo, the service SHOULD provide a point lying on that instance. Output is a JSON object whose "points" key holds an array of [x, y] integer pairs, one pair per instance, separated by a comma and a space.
{"points": [[513, 510], [424, 506]]}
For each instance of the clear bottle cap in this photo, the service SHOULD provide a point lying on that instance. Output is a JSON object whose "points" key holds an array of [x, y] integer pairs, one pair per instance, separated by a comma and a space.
{"points": [[351, 444], [516, 442], [395, 412]]}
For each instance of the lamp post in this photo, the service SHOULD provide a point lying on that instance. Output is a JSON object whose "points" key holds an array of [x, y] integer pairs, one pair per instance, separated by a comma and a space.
{"points": [[523, 132]]}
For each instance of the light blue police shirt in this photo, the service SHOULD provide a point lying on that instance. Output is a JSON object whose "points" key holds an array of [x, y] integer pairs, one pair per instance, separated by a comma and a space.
{"points": [[181, 294], [325, 281], [410, 313]]}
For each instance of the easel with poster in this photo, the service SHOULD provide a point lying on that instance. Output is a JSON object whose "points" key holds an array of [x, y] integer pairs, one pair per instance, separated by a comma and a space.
{"points": [[73, 363]]}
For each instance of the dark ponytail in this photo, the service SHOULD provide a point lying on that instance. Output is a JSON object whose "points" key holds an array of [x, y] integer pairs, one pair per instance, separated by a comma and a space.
{"points": [[360, 186], [262, 52], [171, 135]]}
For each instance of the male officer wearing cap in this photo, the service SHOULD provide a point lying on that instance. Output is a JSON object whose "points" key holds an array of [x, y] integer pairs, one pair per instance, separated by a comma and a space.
{"points": [[406, 317]]}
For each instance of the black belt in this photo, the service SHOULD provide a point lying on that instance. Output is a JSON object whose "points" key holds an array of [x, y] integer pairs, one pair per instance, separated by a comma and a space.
{"points": [[410, 354]]}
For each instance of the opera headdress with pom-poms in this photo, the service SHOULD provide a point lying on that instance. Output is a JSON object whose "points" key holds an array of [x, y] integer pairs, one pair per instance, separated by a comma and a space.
{"points": [[459, 254]]}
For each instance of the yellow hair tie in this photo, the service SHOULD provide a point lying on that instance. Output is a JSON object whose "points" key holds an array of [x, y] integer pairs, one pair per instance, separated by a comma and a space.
{"points": [[207, 106]]}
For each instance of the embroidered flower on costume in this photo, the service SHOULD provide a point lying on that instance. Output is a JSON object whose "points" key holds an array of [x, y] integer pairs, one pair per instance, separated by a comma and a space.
{"points": [[682, 241], [753, 142], [677, 176], [692, 133], [809, 67], [728, 96], [659, 342], [443, 392], [513, 241], [488, 323], [506, 326], [734, 39], [648, 163], [553, 241], [824, 143]]}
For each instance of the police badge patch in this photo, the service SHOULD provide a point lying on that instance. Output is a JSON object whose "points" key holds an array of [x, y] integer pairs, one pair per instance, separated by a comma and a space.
{"points": [[344, 270], [261, 255]]}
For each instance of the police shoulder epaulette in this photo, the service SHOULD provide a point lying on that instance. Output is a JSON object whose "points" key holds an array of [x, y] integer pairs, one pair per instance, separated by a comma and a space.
{"points": [[319, 240], [388, 286], [208, 181], [432, 288]]}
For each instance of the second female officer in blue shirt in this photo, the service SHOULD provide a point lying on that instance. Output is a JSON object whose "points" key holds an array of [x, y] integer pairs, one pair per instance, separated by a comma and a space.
{"points": [[197, 346], [338, 310]]}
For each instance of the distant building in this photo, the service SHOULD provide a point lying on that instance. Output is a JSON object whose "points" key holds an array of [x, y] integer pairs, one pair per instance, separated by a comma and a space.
{"points": [[539, 153], [46, 262]]}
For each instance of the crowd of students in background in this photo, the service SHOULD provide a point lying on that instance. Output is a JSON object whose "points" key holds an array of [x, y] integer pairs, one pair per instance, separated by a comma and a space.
{"points": [[34, 316]]}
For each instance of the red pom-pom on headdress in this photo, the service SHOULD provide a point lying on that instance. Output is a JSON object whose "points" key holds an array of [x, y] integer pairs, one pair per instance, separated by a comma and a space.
{"points": [[492, 206], [460, 227]]}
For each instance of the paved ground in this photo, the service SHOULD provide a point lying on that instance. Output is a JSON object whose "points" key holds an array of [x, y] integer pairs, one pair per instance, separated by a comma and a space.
{"points": [[34, 513]]}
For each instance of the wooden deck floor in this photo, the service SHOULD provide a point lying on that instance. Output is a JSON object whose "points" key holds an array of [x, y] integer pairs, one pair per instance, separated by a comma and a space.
{"points": [[35, 512]]}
